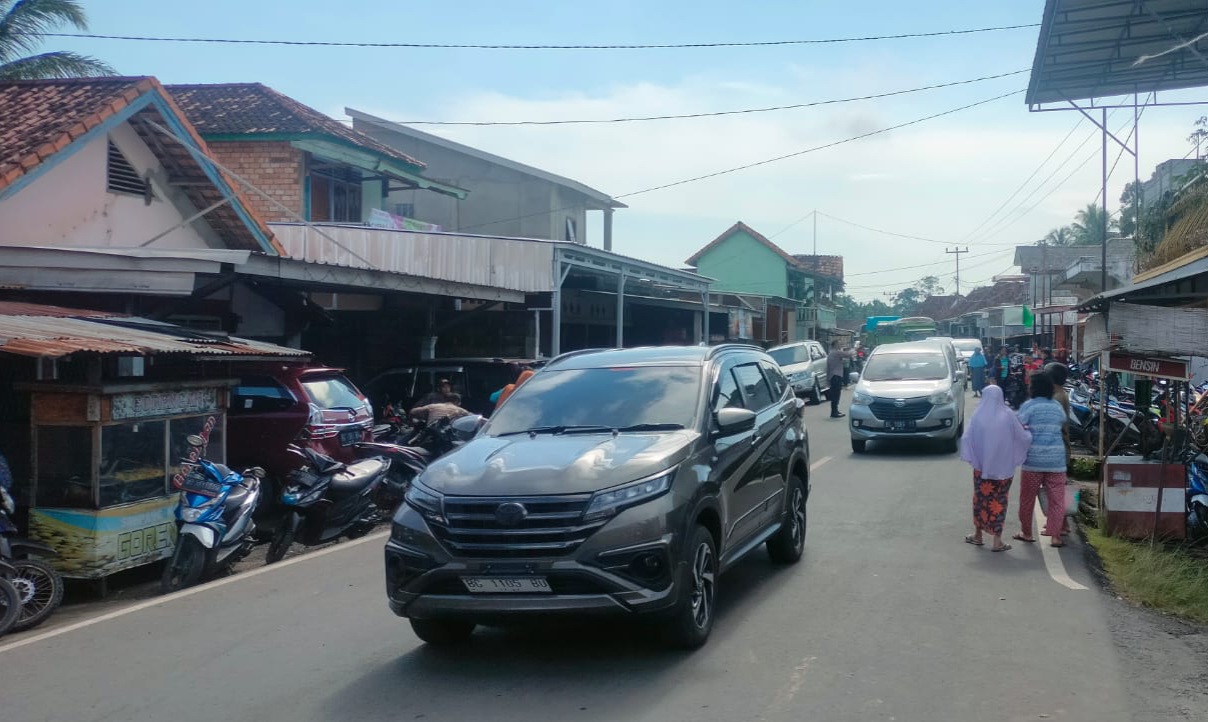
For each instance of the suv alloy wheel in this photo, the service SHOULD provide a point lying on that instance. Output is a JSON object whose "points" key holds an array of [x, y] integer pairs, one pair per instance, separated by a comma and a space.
{"points": [[692, 619]]}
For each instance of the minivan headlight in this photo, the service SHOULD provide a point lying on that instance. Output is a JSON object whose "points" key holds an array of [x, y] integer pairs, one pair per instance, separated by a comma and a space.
{"points": [[607, 503], [860, 398], [942, 397], [427, 502]]}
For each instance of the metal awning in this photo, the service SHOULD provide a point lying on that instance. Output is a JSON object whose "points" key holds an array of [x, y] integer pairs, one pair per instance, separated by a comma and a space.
{"points": [[1182, 285], [1106, 48], [53, 332]]}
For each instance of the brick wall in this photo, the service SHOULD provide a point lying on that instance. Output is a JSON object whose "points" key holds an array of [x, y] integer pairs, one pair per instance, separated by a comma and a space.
{"points": [[272, 166]]}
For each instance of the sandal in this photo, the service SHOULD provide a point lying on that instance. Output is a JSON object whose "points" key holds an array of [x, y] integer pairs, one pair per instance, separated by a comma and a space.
{"points": [[1022, 538], [1056, 544], [970, 539], [1003, 548]]}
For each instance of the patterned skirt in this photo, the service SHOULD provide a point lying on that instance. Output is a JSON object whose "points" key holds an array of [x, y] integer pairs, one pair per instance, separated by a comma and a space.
{"points": [[990, 503]]}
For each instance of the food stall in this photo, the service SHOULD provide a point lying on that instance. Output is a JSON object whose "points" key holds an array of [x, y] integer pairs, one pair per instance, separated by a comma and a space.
{"points": [[103, 463]]}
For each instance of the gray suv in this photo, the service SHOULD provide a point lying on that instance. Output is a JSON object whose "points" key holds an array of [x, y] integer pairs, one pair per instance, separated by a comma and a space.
{"points": [[612, 482]]}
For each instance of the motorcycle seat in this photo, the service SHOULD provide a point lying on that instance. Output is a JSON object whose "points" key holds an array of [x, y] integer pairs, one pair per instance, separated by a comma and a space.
{"points": [[355, 477]]}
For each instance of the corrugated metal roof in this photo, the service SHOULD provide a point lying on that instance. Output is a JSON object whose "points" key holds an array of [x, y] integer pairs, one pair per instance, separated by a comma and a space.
{"points": [[53, 332]]}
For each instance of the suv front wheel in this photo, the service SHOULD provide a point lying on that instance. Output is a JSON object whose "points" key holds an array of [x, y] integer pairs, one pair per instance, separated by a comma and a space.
{"points": [[692, 619]]}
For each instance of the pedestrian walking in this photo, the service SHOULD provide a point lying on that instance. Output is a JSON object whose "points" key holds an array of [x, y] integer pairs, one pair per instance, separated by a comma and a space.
{"points": [[977, 366], [1004, 366], [1045, 465], [995, 444], [834, 369]]}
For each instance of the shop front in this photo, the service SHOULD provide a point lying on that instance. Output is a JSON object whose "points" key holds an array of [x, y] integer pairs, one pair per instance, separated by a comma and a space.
{"points": [[104, 461]]}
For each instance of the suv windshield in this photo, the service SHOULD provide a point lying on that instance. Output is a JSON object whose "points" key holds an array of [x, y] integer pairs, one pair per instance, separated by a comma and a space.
{"points": [[332, 392], [915, 366], [610, 398], [790, 355]]}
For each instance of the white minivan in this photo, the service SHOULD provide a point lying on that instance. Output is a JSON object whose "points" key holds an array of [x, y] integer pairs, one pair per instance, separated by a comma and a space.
{"points": [[804, 363]]}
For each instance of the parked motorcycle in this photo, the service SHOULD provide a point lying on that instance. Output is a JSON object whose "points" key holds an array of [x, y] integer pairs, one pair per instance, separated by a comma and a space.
{"points": [[326, 499], [425, 444], [10, 600], [215, 519], [1197, 495], [39, 587]]}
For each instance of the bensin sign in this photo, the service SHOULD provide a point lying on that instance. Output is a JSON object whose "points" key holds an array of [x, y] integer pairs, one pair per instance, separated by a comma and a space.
{"points": [[1165, 368]]}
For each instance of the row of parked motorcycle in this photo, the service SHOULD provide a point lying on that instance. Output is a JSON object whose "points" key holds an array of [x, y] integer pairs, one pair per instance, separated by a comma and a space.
{"points": [[1146, 428], [323, 500], [30, 589]]}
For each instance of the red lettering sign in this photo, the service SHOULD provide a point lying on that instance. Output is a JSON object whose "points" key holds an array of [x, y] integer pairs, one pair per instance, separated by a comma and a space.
{"points": [[1166, 368]]}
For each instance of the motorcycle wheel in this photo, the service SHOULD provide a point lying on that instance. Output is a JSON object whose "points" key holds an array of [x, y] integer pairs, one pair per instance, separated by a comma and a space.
{"points": [[10, 605], [283, 539], [41, 590], [1197, 521], [184, 567]]}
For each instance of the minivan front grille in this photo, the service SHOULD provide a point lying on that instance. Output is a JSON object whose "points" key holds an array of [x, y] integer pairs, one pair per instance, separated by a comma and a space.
{"points": [[550, 526], [908, 410]]}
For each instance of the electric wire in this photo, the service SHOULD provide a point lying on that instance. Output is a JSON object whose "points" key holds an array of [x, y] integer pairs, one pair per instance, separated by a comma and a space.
{"points": [[710, 114], [501, 46]]}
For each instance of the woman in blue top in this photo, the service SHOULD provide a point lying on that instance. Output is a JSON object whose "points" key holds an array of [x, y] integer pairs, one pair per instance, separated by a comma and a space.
{"points": [[977, 365], [1045, 465]]}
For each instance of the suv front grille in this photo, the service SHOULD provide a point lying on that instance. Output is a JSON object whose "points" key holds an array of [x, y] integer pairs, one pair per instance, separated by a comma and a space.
{"points": [[553, 526], [911, 410]]}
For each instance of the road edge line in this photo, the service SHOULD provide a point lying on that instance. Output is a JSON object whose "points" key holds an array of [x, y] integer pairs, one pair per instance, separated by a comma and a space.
{"points": [[167, 598], [1052, 558], [818, 464]]}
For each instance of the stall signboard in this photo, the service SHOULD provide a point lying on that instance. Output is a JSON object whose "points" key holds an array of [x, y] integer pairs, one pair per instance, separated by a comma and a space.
{"points": [[163, 403], [94, 544], [1155, 366]]}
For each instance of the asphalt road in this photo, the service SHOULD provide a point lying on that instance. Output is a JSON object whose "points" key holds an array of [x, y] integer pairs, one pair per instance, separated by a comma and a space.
{"points": [[889, 617]]}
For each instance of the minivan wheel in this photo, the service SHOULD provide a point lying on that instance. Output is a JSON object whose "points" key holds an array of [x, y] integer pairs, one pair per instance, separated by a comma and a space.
{"points": [[442, 632], [692, 620], [858, 446], [952, 445], [816, 394], [789, 543]]}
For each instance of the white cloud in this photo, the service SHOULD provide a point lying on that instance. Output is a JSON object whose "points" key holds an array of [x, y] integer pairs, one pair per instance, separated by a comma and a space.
{"points": [[938, 179]]}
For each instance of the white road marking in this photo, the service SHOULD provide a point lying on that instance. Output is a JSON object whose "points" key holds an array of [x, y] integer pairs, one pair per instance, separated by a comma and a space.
{"points": [[818, 464], [166, 598], [1052, 559]]}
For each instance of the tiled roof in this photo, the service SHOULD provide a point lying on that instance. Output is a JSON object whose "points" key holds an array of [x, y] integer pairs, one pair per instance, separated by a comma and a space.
{"points": [[826, 266], [39, 118], [1002, 293], [255, 109]]}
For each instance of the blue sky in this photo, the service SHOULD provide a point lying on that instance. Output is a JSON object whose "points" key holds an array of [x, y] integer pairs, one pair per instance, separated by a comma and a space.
{"points": [[937, 180]]}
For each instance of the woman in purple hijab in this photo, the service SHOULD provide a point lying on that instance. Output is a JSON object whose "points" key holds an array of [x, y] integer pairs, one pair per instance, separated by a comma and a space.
{"points": [[994, 444]]}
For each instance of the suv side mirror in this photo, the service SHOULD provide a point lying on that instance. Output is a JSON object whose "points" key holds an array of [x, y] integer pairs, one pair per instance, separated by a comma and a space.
{"points": [[734, 421]]}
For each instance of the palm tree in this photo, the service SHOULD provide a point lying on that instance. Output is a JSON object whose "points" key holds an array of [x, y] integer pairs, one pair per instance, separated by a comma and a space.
{"points": [[1088, 228], [1063, 236], [23, 23]]}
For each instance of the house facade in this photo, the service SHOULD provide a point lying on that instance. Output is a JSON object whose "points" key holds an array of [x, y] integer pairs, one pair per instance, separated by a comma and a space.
{"points": [[796, 292], [507, 198]]}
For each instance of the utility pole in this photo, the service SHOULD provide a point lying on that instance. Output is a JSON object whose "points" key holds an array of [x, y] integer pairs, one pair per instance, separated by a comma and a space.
{"points": [[957, 251], [815, 231]]}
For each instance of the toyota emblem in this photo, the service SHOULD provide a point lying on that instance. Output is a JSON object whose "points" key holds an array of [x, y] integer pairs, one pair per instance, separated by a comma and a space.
{"points": [[899, 403], [510, 513]]}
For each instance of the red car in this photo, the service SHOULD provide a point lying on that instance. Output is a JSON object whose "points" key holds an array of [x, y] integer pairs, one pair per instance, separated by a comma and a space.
{"points": [[277, 404]]}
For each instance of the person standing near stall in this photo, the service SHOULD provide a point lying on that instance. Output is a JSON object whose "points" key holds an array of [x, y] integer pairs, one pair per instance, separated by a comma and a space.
{"points": [[1045, 465], [977, 366]]}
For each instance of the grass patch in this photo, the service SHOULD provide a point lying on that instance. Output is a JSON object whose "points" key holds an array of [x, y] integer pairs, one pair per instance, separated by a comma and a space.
{"points": [[1164, 578]]}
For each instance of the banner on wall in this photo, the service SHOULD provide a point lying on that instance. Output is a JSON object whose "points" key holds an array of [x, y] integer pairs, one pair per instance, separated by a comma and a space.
{"points": [[382, 219]]}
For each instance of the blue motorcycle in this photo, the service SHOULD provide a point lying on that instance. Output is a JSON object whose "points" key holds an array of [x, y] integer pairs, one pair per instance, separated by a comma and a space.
{"points": [[215, 519], [1197, 497]]}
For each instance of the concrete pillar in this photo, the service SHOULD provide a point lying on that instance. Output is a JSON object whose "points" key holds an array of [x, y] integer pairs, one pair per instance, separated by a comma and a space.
{"points": [[621, 310], [427, 347], [705, 336], [608, 229]]}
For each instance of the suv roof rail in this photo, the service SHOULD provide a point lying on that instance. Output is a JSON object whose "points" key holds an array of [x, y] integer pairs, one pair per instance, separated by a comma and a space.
{"points": [[572, 354], [721, 347]]}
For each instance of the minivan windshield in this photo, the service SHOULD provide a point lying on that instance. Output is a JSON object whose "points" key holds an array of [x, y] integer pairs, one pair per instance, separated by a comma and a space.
{"points": [[790, 355], [966, 345], [912, 366], [332, 392], [665, 397]]}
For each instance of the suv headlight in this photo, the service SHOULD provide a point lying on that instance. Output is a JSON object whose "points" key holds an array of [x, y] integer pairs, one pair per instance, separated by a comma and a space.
{"points": [[941, 397], [860, 398], [426, 501], [609, 502]]}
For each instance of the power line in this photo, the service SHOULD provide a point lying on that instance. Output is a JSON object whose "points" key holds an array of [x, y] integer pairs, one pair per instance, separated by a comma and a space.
{"points": [[922, 265], [712, 114], [480, 46], [817, 147]]}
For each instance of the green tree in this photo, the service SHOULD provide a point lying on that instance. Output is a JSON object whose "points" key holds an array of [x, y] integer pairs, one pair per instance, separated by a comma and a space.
{"points": [[1063, 236], [929, 286], [906, 301], [23, 25], [1088, 225], [1128, 220], [1199, 136]]}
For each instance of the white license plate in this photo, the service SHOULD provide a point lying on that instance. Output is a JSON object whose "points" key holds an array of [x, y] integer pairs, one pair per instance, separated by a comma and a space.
{"points": [[506, 585]]}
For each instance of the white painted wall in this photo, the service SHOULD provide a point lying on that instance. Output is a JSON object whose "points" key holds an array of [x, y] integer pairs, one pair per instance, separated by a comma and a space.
{"points": [[69, 205]]}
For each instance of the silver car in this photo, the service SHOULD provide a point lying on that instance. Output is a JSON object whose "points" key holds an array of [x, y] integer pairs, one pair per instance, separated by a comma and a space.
{"points": [[908, 391], [804, 363]]}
